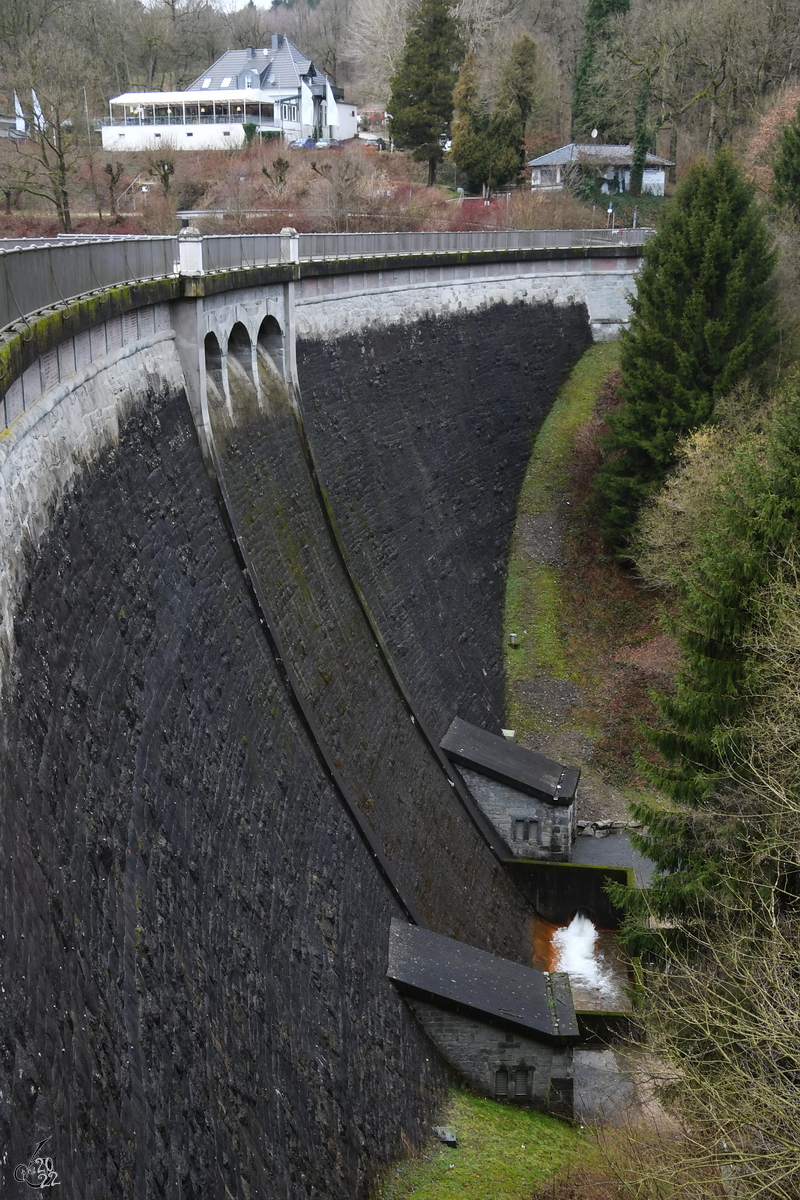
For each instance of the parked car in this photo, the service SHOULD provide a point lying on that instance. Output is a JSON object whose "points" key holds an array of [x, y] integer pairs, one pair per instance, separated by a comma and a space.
{"points": [[303, 144], [328, 144]]}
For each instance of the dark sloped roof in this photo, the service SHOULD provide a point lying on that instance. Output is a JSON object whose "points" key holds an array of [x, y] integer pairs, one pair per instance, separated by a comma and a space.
{"points": [[284, 62], [461, 978], [539, 776], [603, 153]]}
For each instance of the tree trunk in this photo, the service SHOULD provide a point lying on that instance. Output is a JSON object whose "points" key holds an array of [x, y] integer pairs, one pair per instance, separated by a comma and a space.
{"points": [[641, 139], [673, 151], [712, 121], [431, 172]]}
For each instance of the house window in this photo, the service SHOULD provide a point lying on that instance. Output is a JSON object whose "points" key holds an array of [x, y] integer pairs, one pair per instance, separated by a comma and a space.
{"points": [[226, 133], [226, 81], [206, 82], [190, 135], [158, 135], [521, 1083], [501, 1082]]}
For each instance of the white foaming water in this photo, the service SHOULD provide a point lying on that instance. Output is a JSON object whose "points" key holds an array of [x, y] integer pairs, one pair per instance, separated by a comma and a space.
{"points": [[580, 956]]}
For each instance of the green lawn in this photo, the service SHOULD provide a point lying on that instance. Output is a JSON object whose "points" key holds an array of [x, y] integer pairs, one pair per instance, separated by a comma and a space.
{"points": [[502, 1153]]}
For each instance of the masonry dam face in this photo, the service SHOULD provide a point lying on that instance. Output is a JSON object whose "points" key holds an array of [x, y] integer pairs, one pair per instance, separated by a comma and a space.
{"points": [[225, 678]]}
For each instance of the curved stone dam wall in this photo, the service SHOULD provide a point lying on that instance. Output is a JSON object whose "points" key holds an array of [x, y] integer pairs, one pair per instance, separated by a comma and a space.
{"points": [[422, 433], [218, 786]]}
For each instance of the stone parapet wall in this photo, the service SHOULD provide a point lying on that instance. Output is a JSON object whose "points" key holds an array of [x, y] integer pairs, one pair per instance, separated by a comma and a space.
{"points": [[332, 306], [77, 351], [88, 387]]}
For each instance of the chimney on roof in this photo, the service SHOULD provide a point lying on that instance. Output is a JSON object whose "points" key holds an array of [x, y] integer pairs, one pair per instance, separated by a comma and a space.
{"points": [[250, 51], [275, 41]]}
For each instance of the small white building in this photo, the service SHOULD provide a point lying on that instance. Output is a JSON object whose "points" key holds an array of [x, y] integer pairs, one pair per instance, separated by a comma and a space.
{"points": [[552, 172], [277, 89]]}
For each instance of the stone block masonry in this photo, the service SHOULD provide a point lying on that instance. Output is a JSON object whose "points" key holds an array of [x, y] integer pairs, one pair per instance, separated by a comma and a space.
{"points": [[439, 858], [532, 828], [193, 933], [47, 449], [331, 306], [499, 1064], [421, 434], [194, 1003]]}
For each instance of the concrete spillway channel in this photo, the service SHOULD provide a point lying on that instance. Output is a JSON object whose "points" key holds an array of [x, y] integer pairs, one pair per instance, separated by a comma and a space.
{"points": [[338, 674]]}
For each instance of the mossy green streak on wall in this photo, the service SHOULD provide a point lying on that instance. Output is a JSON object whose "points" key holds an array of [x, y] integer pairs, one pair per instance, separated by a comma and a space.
{"points": [[533, 594], [502, 1153]]}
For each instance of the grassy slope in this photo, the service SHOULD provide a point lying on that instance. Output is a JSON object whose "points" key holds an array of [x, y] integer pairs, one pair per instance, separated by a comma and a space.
{"points": [[533, 590], [588, 622], [502, 1154]]}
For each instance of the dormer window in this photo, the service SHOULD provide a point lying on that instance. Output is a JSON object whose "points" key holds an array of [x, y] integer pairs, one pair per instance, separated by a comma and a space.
{"points": [[206, 82]]}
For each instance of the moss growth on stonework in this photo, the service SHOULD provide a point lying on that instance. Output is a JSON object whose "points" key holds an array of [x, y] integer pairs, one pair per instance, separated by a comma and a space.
{"points": [[533, 598], [47, 330], [502, 1153]]}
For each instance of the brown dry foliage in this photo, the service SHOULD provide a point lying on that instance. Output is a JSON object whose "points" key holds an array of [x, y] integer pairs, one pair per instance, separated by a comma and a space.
{"points": [[605, 609], [589, 453], [762, 146]]}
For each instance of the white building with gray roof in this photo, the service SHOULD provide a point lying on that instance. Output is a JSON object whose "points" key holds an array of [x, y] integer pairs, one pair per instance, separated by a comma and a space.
{"points": [[610, 163], [277, 89]]}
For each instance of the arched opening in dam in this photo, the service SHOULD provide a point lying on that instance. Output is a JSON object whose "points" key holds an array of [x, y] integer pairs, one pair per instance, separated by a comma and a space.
{"points": [[271, 344], [221, 720], [240, 350]]}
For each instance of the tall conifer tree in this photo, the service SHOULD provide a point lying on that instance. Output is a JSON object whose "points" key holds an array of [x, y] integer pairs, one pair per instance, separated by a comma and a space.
{"points": [[422, 89], [701, 320], [756, 527], [485, 146], [786, 174], [519, 85]]}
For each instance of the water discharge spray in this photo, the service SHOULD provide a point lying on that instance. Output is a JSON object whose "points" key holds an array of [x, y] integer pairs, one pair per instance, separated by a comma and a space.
{"points": [[580, 953]]}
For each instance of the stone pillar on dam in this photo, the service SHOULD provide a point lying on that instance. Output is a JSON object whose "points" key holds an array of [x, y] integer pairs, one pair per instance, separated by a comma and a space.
{"points": [[221, 695]]}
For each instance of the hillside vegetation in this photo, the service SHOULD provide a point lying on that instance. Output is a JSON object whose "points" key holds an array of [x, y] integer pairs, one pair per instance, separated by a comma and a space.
{"points": [[689, 464], [520, 77]]}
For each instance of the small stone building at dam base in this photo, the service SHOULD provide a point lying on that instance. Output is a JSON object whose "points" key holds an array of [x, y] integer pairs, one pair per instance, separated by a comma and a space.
{"points": [[255, 522]]}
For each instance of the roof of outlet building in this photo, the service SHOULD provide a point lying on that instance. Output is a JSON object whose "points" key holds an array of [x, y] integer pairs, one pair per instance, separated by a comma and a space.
{"points": [[488, 754], [456, 976]]}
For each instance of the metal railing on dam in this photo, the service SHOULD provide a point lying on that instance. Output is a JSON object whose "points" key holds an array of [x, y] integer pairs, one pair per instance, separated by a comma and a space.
{"points": [[38, 273]]}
